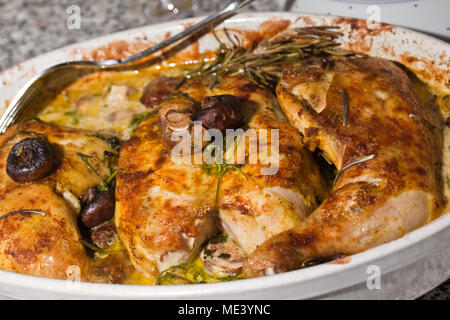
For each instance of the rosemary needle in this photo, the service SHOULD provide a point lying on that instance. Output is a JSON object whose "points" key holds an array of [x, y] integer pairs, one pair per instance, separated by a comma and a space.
{"points": [[351, 164], [22, 211]]}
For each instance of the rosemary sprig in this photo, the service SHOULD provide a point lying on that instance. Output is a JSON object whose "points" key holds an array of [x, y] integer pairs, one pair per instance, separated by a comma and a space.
{"points": [[264, 63], [93, 247], [107, 182], [84, 158], [22, 211], [351, 164], [219, 167], [220, 170], [109, 161]]}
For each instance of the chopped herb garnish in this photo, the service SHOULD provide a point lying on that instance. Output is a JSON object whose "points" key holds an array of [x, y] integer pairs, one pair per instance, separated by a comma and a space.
{"points": [[224, 256]]}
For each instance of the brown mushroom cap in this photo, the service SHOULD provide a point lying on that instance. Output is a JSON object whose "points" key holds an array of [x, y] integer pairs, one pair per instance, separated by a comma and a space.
{"points": [[98, 207], [220, 112], [30, 159]]}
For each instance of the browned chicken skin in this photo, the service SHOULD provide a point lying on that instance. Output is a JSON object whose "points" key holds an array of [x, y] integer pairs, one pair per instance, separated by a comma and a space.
{"points": [[373, 202], [165, 208], [49, 245]]}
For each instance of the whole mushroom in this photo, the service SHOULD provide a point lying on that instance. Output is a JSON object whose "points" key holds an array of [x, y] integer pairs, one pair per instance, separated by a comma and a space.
{"points": [[30, 159], [220, 112]]}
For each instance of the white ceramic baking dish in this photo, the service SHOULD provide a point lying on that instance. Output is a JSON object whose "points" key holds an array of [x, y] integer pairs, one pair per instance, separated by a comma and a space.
{"points": [[409, 266]]}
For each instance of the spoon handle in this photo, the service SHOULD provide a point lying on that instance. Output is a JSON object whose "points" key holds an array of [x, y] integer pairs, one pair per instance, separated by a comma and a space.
{"points": [[208, 21]]}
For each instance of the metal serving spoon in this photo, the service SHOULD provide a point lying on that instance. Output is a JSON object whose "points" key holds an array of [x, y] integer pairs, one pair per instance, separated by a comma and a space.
{"points": [[68, 71]]}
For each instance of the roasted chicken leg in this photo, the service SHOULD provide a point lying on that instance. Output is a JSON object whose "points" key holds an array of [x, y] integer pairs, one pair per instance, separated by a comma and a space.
{"points": [[357, 109]]}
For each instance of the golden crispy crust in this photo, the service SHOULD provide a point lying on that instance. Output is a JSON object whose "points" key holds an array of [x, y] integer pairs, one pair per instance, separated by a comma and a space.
{"points": [[372, 202], [160, 201], [48, 245]]}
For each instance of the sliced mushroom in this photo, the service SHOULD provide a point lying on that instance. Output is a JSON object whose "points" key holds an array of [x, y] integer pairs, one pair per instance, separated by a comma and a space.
{"points": [[178, 121], [222, 257], [220, 112], [175, 114], [30, 159]]}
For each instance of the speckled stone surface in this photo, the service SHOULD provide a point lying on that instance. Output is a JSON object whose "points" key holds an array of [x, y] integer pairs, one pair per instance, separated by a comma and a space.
{"points": [[29, 28]]}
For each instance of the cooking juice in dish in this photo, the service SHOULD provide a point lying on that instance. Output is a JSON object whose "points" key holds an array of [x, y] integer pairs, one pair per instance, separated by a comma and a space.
{"points": [[109, 103]]}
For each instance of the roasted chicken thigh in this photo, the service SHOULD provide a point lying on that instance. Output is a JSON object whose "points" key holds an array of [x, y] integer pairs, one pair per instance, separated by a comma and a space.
{"points": [[364, 115], [49, 244]]}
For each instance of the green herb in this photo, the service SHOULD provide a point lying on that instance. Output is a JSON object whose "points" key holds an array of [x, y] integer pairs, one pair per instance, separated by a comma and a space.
{"points": [[224, 256], [108, 182], [264, 63], [189, 273], [93, 247], [74, 116], [136, 119], [109, 161], [220, 170], [100, 252], [85, 158]]}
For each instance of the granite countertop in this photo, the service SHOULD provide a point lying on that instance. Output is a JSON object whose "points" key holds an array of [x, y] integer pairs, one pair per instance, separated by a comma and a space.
{"points": [[32, 27]]}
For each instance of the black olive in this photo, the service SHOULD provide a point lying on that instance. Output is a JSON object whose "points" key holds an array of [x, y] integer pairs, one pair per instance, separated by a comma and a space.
{"points": [[97, 206], [220, 112], [30, 159]]}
